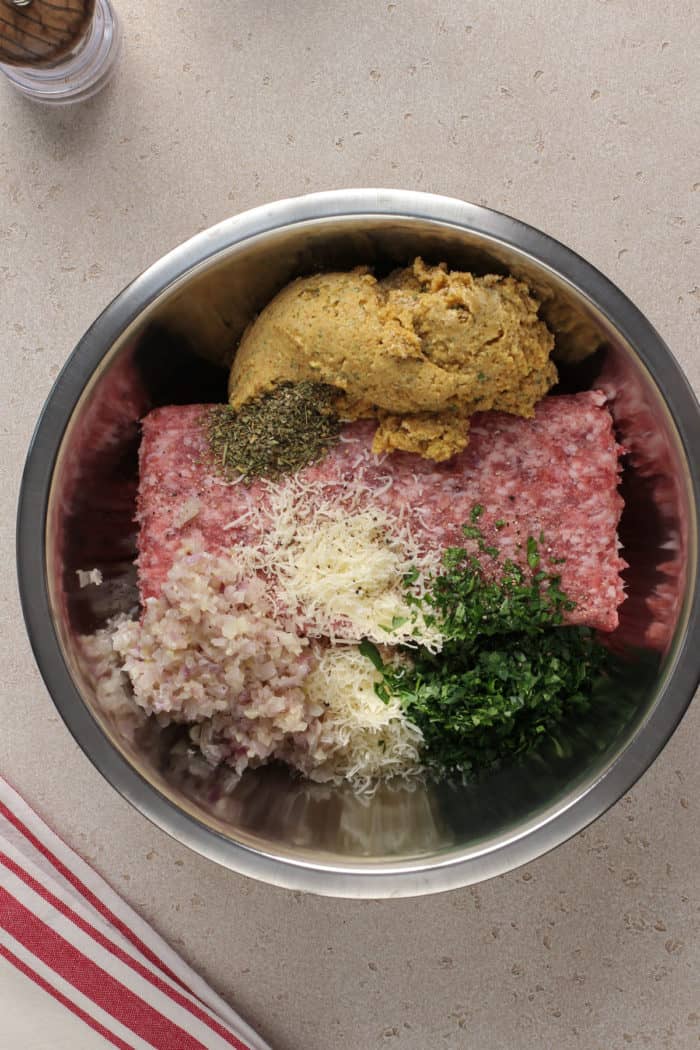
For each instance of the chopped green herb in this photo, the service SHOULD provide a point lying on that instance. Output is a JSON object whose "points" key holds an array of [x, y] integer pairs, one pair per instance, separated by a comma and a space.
{"points": [[533, 556], [508, 671], [472, 532], [476, 706], [396, 622], [370, 650]]}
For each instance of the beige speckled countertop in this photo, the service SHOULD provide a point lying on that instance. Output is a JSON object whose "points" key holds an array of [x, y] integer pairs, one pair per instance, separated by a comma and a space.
{"points": [[579, 118]]}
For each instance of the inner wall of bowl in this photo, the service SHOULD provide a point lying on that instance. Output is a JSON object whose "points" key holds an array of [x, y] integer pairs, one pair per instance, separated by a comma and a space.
{"points": [[178, 353]]}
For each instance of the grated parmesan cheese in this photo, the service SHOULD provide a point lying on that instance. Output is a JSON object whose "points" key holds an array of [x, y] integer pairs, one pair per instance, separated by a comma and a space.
{"points": [[363, 739], [342, 567]]}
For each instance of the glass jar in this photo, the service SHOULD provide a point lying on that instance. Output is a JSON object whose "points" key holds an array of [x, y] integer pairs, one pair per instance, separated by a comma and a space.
{"points": [[58, 51]]}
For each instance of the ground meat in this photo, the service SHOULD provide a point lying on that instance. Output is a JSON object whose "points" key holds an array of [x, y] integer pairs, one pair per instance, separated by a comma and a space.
{"points": [[556, 474]]}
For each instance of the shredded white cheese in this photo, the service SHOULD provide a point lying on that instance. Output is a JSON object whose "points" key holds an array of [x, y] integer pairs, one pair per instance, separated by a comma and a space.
{"points": [[363, 739], [342, 567]]}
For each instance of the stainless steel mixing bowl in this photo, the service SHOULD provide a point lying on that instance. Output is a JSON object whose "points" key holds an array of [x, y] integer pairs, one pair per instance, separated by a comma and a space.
{"points": [[164, 340]]}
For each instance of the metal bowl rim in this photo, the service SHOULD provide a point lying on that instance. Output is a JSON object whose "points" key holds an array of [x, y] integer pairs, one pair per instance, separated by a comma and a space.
{"points": [[351, 880]]}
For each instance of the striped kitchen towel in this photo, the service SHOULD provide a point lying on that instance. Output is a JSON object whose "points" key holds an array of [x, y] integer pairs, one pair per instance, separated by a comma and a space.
{"points": [[69, 932]]}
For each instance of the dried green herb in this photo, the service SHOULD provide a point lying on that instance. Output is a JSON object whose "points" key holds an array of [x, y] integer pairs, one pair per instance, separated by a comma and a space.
{"points": [[275, 435]]}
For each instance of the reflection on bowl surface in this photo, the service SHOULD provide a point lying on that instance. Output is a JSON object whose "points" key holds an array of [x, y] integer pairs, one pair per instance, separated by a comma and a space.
{"points": [[167, 340]]}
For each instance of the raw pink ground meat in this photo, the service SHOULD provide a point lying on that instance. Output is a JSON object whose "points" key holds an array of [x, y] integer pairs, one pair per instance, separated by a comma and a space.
{"points": [[556, 474]]}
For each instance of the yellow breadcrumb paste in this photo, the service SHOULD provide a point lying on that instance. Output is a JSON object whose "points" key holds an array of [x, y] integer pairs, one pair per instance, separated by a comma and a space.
{"points": [[421, 351]]}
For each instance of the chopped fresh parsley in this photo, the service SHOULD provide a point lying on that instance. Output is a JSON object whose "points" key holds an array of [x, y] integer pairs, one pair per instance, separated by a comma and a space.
{"points": [[508, 671], [370, 650], [533, 557]]}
